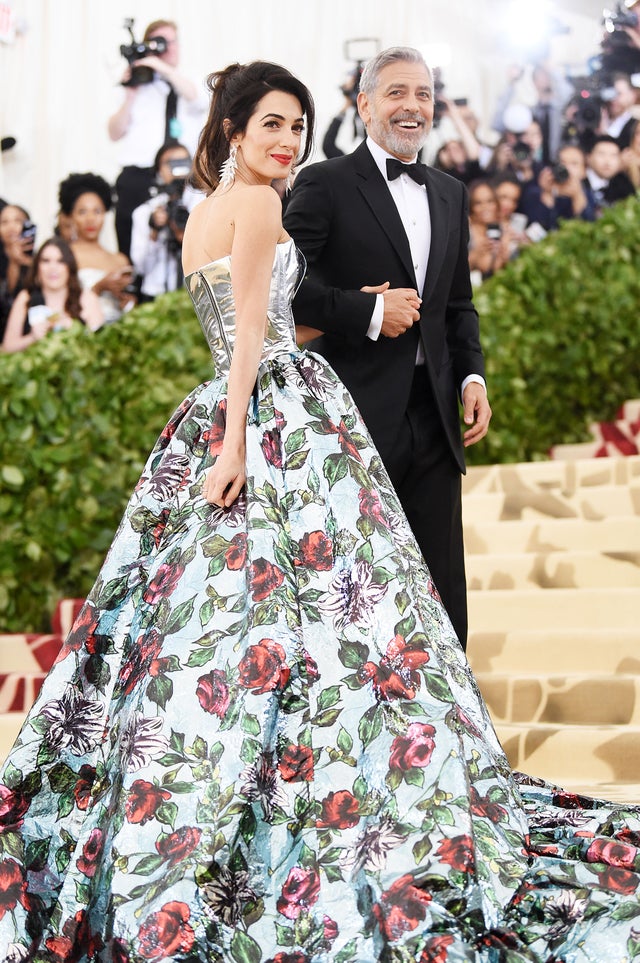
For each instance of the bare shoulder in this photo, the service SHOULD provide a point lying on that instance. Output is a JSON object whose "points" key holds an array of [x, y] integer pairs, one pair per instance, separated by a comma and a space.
{"points": [[258, 199]]}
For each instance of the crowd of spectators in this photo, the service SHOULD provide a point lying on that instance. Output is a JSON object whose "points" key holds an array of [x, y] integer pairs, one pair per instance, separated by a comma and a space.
{"points": [[570, 154]]}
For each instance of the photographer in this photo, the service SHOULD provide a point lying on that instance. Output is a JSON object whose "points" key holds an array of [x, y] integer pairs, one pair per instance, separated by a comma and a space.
{"points": [[558, 192], [158, 224], [17, 237], [159, 105], [355, 126]]}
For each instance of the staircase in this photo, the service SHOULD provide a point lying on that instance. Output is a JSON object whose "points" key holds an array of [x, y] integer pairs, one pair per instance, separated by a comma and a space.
{"points": [[553, 568]]}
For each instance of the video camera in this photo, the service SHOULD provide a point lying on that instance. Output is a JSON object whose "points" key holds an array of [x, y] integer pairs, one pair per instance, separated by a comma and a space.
{"points": [[137, 51], [177, 213], [359, 49]]}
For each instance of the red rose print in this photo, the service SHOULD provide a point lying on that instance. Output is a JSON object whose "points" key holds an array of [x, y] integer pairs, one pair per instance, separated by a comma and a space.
{"points": [[177, 846], [387, 684], [214, 436], [60, 948], [346, 442], [311, 667], [263, 667], [163, 583], [88, 862], [295, 957], [236, 555], [414, 749], [340, 810], [316, 551], [458, 853], [612, 852], [264, 578], [408, 656], [436, 949], [13, 806], [301, 890], [629, 836], [143, 801], [482, 806], [166, 932], [12, 886], [619, 880], [213, 693], [143, 654], [83, 786], [160, 526], [272, 447], [119, 952], [296, 764], [401, 908], [82, 631], [371, 506], [331, 930]]}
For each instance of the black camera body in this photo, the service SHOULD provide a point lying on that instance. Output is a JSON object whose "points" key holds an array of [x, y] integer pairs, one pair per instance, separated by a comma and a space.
{"points": [[138, 51], [177, 213], [28, 233], [560, 173]]}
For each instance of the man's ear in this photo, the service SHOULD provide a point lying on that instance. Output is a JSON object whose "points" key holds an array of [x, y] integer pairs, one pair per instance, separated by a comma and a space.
{"points": [[363, 107]]}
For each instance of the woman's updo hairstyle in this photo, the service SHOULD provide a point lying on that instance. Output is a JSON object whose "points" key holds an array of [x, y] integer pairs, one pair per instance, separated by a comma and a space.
{"points": [[235, 93], [75, 185]]}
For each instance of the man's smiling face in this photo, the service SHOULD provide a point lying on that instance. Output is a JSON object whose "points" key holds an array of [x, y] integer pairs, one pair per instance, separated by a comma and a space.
{"points": [[399, 113]]}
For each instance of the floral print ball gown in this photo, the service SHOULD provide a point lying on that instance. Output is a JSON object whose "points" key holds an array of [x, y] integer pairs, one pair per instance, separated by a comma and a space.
{"points": [[262, 743]]}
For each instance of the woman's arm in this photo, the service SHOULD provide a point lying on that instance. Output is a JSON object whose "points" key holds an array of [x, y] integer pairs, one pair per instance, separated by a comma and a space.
{"points": [[14, 340], [91, 310], [257, 228]]}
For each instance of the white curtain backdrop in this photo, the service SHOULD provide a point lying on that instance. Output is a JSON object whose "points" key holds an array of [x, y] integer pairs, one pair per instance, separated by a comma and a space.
{"points": [[59, 77]]}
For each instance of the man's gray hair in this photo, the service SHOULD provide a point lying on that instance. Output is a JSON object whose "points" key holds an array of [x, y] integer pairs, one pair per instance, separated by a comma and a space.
{"points": [[371, 72]]}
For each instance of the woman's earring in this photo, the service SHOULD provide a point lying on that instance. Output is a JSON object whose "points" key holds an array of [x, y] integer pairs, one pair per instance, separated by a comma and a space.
{"points": [[229, 168], [290, 179]]}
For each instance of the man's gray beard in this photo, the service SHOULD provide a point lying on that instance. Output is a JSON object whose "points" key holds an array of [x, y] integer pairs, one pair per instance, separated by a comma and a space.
{"points": [[396, 143]]}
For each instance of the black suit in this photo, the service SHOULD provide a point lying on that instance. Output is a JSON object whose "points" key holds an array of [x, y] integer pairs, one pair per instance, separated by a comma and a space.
{"points": [[343, 217]]}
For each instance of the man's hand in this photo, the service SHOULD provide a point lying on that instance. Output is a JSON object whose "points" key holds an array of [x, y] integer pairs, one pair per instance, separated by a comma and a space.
{"points": [[477, 412], [401, 308]]}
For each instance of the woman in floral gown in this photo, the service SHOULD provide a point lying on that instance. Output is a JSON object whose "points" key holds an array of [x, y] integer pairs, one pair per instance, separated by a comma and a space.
{"points": [[262, 742]]}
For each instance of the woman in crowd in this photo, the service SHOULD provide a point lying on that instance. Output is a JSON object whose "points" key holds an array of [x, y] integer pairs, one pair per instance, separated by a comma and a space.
{"points": [[16, 257], [52, 299], [86, 198], [489, 240], [631, 157], [262, 741]]}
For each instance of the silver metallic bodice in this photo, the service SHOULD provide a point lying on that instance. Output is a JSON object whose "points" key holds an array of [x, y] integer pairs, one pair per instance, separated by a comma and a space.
{"points": [[212, 296]]}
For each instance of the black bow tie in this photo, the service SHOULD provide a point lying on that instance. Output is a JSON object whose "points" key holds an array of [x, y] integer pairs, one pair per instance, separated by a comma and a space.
{"points": [[416, 172]]}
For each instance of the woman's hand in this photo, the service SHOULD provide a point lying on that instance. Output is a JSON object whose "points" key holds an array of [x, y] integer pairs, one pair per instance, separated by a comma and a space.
{"points": [[115, 281], [226, 479]]}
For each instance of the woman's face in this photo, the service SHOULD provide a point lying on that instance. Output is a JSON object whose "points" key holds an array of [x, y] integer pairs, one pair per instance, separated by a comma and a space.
{"points": [[508, 196], [269, 146], [11, 223], [53, 273], [88, 216], [483, 206]]}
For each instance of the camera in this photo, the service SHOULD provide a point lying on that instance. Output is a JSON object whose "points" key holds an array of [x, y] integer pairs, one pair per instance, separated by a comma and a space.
{"points": [[137, 51], [177, 213], [359, 50], [619, 18], [494, 232], [560, 173], [521, 152]]}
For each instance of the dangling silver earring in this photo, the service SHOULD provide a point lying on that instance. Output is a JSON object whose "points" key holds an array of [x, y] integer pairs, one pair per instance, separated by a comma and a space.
{"points": [[229, 168], [290, 179]]}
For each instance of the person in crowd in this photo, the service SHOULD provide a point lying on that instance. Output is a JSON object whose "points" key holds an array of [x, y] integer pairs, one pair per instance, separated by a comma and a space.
{"points": [[362, 222], [16, 256], [346, 126], [169, 107], [64, 228], [630, 156], [261, 731], [605, 180], [158, 224], [491, 243], [512, 156], [508, 190], [558, 193], [86, 198], [460, 156], [552, 91], [621, 110], [52, 300]]}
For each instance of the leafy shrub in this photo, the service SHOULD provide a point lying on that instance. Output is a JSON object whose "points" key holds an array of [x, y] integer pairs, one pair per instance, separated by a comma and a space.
{"points": [[561, 332], [80, 412]]}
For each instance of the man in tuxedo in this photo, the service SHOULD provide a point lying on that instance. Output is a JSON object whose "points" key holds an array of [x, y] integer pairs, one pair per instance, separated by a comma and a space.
{"points": [[388, 285]]}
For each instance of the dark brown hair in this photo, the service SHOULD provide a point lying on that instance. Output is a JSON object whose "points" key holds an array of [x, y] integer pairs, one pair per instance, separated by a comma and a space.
{"points": [[72, 303], [156, 25], [235, 93]]}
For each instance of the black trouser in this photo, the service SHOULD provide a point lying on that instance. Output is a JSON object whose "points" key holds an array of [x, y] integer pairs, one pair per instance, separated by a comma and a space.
{"points": [[132, 188], [429, 486]]}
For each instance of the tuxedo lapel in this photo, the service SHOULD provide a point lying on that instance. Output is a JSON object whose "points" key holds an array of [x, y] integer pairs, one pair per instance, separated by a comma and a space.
{"points": [[376, 194], [439, 215]]}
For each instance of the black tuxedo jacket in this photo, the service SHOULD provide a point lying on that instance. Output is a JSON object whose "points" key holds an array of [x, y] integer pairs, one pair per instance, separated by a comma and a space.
{"points": [[342, 216]]}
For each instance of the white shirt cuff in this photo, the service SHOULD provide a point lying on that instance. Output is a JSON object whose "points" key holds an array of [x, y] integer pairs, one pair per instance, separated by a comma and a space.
{"points": [[375, 325], [473, 377]]}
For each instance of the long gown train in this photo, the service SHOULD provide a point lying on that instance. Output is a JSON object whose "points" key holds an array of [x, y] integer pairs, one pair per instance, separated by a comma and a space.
{"points": [[262, 743]]}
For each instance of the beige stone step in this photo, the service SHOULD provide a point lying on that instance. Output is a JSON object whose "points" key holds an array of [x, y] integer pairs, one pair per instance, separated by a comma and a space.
{"points": [[578, 699], [553, 570], [591, 504], [574, 754], [505, 609], [622, 792], [631, 410], [526, 650], [561, 477], [553, 535], [10, 726]]}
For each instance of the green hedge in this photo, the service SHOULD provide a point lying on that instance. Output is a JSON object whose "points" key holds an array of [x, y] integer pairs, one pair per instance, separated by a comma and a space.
{"points": [[560, 328]]}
